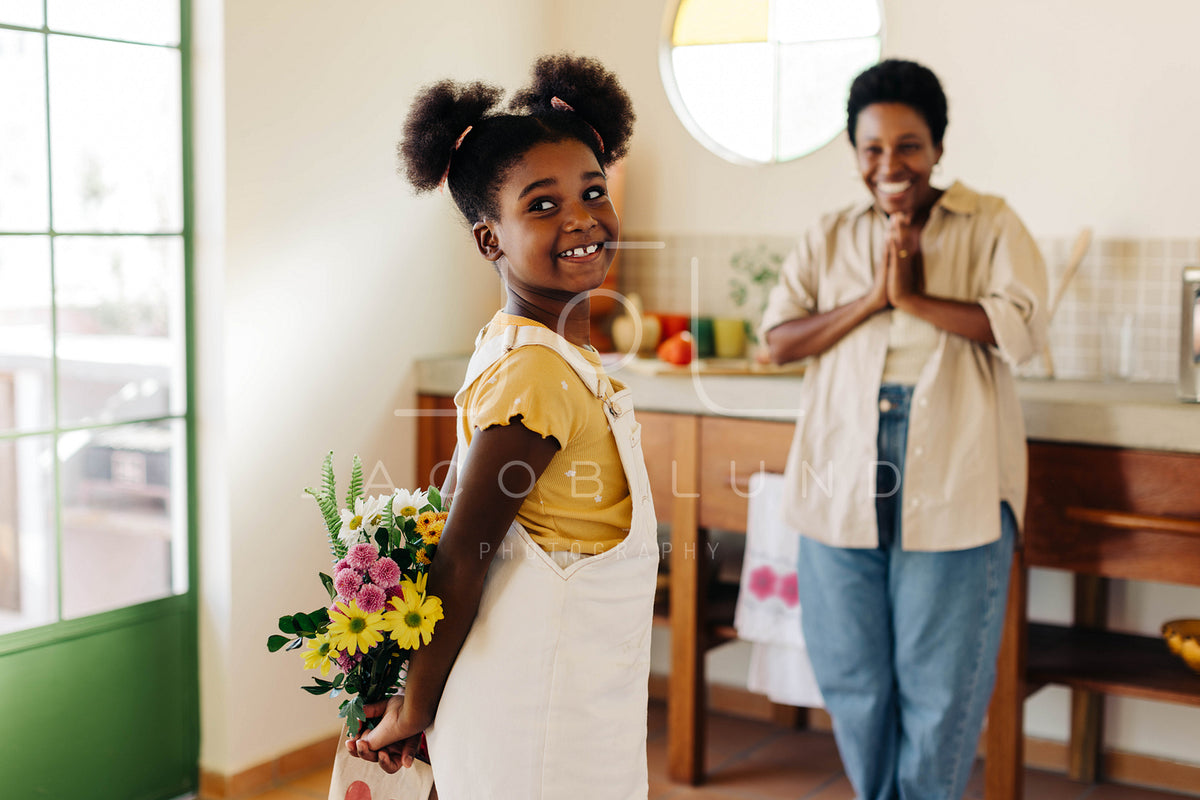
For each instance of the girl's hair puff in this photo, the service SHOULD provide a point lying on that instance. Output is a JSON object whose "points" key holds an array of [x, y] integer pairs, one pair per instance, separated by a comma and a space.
{"points": [[602, 118]]}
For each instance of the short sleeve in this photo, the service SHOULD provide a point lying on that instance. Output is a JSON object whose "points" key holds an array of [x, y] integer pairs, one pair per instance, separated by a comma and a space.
{"points": [[1015, 299], [534, 384], [795, 295]]}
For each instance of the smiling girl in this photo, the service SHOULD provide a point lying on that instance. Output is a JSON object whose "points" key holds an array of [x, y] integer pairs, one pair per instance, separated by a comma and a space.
{"points": [[535, 684]]}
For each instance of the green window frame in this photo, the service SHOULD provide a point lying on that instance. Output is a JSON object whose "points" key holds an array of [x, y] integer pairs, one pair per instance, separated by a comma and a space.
{"points": [[81, 256]]}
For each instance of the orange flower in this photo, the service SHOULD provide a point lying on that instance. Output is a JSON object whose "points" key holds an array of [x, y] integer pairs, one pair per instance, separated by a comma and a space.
{"points": [[430, 525]]}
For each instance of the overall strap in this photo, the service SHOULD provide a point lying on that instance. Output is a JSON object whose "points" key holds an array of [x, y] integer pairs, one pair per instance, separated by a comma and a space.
{"points": [[492, 350]]}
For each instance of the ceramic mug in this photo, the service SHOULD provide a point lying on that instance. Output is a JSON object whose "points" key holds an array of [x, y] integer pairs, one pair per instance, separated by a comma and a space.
{"points": [[729, 337], [702, 333]]}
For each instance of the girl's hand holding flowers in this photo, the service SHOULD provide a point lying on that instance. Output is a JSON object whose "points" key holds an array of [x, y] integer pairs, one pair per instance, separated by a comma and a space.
{"points": [[379, 611], [402, 735]]}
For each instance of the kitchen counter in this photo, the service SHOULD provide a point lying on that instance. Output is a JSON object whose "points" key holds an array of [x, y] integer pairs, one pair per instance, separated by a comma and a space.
{"points": [[1144, 416]]}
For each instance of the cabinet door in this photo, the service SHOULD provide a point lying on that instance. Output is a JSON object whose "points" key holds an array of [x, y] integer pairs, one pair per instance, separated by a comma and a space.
{"points": [[1119, 513], [437, 430], [658, 448], [733, 450]]}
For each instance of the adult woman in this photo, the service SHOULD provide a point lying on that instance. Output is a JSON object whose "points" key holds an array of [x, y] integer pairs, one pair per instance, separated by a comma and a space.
{"points": [[907, 473]]}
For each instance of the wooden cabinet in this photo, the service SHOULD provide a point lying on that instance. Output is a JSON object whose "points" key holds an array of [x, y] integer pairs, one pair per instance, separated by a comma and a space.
{"points": [[1099, 513]]}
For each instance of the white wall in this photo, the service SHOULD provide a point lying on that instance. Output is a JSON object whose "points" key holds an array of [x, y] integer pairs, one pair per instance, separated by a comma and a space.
{"points": [[1080, 112], [331, 279], [321, 278]]}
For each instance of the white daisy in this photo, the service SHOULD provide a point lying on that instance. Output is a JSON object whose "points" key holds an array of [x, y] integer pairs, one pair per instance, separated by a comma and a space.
{"points": [[361, 523], [408, 504]]}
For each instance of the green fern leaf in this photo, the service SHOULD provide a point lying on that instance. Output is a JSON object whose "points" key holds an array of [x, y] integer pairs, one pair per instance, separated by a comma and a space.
{"points": [[389, 517], [354, 491], [327, 501]]}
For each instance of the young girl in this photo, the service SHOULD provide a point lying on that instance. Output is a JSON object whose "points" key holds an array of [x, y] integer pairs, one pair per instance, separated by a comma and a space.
{"points": [[535, 682]]}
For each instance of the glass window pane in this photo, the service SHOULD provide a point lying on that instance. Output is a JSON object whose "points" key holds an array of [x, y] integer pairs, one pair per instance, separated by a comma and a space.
{"points": [[819, 20], [115, 137], [28, 567], [729, 92], [24, 174], [716, 21], [154, 21], [21, 12], [814, 83], [124, 524], [120, 327], [26, 386]]}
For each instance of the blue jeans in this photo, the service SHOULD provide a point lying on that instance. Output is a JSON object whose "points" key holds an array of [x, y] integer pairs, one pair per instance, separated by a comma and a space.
{"points": [[904, 644]]}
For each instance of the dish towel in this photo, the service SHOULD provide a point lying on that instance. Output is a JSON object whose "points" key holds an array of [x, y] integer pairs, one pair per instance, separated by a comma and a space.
{"points": [[768, 606]]}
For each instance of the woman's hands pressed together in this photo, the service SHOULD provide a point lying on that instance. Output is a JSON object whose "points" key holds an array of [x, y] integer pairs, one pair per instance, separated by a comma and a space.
{"points": [[903, 265]]}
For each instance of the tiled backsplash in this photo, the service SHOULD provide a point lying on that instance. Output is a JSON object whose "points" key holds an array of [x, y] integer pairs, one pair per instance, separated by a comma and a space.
{"points": [[1125, 294]]}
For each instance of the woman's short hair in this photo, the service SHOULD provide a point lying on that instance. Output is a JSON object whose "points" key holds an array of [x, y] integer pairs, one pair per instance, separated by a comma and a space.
{"points": [[898, 81]]}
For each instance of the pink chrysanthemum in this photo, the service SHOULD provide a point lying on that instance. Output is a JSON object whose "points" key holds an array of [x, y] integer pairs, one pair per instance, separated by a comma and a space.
{"points": [[347, 582], [362, 556], [385, 572], [371, 598], [347, 662], [339, 566]]}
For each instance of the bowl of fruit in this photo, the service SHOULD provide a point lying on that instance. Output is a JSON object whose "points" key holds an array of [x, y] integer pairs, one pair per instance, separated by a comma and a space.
{"points": [[1183, 639]]}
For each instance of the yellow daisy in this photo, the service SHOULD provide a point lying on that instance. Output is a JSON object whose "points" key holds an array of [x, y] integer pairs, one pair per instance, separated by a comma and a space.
{"points": [[353, 630], [421, 557], [430, 524], [321, 653], [415, 615]]}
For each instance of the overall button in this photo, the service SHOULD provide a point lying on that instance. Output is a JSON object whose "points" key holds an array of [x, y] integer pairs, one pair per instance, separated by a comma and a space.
{"points": [[885, 405], [924, 401], [918, 451]]}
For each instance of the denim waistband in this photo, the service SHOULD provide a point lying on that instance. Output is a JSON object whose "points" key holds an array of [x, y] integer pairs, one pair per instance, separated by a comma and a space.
{"points": [[898, 397]]}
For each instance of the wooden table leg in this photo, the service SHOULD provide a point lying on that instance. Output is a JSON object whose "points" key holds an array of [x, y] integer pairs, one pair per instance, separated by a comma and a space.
{"points": [[686, 685], [1003, 767], [1084, 755]]}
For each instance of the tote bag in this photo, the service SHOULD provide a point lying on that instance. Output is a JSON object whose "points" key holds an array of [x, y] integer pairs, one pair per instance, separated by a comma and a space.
{"points": [[357, 779]]}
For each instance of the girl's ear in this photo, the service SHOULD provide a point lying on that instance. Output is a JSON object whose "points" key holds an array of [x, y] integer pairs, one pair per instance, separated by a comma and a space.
{"points": [[487, 241]]}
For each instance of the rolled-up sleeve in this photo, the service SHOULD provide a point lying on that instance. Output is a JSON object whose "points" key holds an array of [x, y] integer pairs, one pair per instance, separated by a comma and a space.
{"points": [[794, 296], [1015, 298]]}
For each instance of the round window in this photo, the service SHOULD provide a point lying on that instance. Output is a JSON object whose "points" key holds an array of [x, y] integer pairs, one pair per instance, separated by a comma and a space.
{"points": [[759, 81]]}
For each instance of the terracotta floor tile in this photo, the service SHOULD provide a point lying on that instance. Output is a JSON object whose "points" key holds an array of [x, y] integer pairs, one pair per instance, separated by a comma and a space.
{"points": [[1039, 785], [656, 723], [731, 736], [283, 793], [751, 760], [837, 789], [315, 783], [1111, 791]]}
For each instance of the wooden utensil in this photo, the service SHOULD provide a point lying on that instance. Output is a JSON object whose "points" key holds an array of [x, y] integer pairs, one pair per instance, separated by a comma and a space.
{"points": [[1078, 251]]}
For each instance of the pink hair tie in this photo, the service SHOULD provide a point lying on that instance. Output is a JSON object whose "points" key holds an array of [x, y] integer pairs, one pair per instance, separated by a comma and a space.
{"points": [[562, 105], [457, 143]]}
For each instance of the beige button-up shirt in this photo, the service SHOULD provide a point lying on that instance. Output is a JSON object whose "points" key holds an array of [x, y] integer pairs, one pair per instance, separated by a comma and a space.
{"points": [[966, 435]]}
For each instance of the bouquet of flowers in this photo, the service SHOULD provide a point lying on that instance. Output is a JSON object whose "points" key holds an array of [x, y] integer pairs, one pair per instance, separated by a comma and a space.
{"points": [[379, 611]]}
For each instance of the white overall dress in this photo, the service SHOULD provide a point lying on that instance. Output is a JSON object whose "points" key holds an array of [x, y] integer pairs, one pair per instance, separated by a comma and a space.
{"points": [[547, 699]]}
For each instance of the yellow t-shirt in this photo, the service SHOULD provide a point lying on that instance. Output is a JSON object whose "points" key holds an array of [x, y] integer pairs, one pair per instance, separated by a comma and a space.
{"points": [[581, 502]]}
